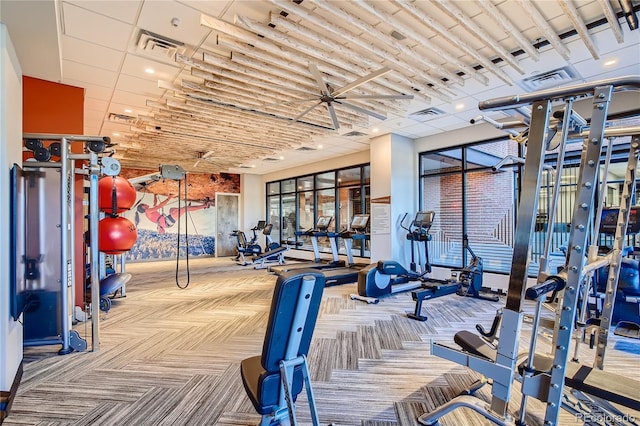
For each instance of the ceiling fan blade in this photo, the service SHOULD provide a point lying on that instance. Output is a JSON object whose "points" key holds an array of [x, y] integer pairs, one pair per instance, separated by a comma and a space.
{"points": [[334, 117], [207, 154], [298, 101], [375, 97], [319, 80], [361, 81], [364, 111], [196, 164], [306, 111]]}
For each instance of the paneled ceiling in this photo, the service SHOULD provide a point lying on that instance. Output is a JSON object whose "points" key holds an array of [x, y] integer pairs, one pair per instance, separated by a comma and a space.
{"points": [[259, 86]]}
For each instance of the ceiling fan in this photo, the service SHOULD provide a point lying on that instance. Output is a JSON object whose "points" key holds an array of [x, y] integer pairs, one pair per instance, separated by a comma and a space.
{"points": [[208, 157], [329, 96]]}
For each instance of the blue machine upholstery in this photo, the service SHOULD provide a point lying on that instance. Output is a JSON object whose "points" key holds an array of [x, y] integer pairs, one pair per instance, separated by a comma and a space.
{"points": [[261, 374]]}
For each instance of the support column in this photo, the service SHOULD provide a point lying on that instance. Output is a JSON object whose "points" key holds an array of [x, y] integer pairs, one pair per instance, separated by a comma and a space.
{"points": [[394, 183], [252, 204], [10, 154]]}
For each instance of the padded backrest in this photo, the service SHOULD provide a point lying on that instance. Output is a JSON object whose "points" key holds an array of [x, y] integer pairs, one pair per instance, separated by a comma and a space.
{"points": [[242, 239], [283, 308]]}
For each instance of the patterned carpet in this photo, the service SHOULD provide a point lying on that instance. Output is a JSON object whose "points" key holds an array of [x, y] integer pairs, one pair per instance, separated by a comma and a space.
{"points": [[171, 357]]}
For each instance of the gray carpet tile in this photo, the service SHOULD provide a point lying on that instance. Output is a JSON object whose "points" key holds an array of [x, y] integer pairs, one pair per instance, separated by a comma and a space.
{"points": [[172, 357]]}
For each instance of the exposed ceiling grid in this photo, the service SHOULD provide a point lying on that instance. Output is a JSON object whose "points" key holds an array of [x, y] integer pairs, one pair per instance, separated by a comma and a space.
{"points": [[243, 85]]}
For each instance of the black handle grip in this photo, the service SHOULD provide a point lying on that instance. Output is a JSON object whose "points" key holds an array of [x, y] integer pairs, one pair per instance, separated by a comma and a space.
{"points": [[494, 327], [552, 284]]}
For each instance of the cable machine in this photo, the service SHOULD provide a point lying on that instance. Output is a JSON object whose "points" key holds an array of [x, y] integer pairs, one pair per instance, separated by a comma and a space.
{"points": [[543, 376], [46, 290]]}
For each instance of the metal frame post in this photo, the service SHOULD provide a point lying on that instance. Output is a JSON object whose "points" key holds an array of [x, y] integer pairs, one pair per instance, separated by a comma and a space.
{"points": [[525, 223], [578, 239], [618, 245], [66, 204]]}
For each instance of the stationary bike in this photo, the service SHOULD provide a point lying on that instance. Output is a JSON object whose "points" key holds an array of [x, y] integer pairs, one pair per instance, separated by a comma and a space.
{"points": [[269, 244], [250, 247]]}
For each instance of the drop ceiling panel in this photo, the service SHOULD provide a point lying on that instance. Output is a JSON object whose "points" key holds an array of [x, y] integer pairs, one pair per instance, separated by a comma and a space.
{"points": [[125, 109], [419, 130], [137, 85], [95, 28], [95, 105], [137, 101], [136, 65], [81, 51], [126, 10], [91, 91], [88, 74], [212, 8], [93, 116]]}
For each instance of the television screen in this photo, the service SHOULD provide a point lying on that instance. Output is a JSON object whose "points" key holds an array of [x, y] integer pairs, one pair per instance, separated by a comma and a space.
{"points": [[324, 222], [609, 221], [360, 221], [424, 219]]}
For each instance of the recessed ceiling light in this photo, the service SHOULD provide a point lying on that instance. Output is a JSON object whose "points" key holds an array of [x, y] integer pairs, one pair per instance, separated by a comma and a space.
{"points": [[128, 110], [375, 130], [459, 106], [610, 62], [149, 71], [281, 157], [319, 146], [116, 134]]}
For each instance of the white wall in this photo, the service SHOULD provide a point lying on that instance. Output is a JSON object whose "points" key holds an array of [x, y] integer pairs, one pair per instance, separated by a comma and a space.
{"points": [[252, 204], [10, 153]]}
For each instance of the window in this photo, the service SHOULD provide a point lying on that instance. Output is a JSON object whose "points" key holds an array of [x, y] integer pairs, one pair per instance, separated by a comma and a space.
{"points": [[470, 198], [474, 191], [295, 204]]}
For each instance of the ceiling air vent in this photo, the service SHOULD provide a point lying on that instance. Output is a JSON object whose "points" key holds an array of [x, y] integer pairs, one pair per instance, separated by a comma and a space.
{"points": [[555, 78], [121, 118], [426, 114], [354, 133], [305, 148], [398, 36], [270, 159], [159, 46]]}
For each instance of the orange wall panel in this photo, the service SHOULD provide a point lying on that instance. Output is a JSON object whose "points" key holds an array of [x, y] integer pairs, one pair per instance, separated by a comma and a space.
{"points": [[50, 107]]}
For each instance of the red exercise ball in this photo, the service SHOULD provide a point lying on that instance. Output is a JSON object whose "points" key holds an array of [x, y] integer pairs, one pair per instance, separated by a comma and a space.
{"points": [[116, 235], [124, 191]]}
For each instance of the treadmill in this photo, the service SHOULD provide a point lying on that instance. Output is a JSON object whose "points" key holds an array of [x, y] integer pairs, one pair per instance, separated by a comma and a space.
{"points": [[321, 230], [349, 274]]}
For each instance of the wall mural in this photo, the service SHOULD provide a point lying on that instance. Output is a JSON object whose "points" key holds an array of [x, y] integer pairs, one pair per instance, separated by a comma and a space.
{"points": [[159, 207]]}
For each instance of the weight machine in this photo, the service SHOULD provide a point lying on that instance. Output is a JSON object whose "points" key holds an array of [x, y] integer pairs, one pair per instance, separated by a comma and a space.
{"points": [[545, 377], [44, 282]]}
